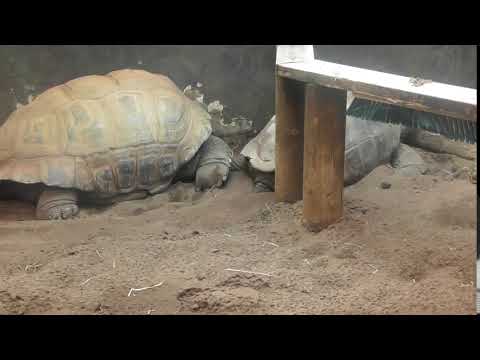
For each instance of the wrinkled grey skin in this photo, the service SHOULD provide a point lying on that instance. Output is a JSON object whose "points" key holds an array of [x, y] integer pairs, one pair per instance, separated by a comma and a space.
{"points": [[210, 167], [368, 144]]}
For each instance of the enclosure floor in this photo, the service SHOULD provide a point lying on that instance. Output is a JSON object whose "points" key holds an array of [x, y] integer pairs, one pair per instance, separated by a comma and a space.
{"points": [[409, 249]]}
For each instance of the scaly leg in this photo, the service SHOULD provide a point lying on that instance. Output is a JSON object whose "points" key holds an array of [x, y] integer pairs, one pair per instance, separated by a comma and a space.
{"points": [[214, 164], [55, 204]]}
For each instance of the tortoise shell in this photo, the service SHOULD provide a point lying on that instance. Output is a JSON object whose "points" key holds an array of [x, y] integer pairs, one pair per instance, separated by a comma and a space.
{"points": [[261, 149], [127, 130], [368, 144]]}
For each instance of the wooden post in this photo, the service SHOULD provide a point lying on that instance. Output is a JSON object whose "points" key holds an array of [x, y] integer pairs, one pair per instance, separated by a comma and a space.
{"points": [[324, 154], [311, 120], [290, 104]]}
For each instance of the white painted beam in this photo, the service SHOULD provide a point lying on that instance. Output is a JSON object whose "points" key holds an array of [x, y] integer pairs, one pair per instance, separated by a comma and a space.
{"points": [[434, 97]]}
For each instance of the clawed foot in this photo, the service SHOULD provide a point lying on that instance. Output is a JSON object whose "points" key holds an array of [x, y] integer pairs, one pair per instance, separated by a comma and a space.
{"points": [[264, 182], [62, 212], [57, 205], [214, 164], [211, 175], [259, 188]]}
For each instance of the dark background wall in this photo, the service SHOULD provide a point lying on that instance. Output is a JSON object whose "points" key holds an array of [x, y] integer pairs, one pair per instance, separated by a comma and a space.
{"points": [[240, 76]]}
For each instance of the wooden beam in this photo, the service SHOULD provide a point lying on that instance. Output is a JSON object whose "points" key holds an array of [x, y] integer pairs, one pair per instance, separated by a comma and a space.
{"points": [[289, 98], [324, 153], [443, 99]]}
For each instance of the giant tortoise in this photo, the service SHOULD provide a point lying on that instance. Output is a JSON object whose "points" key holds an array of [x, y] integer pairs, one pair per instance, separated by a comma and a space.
{"points": [[105, 139], [368, 144]]}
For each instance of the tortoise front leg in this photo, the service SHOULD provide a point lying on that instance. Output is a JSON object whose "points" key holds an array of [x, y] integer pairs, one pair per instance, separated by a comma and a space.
{"points": [[55, 204], [213, 165], [264, 182]]}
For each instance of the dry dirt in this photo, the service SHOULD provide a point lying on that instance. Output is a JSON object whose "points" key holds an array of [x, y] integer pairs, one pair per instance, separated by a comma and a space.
{"points": [[408, 249]]}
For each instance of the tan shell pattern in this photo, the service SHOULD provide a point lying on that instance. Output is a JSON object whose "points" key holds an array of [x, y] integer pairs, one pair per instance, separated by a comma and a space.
{"points": [[127, 130]]}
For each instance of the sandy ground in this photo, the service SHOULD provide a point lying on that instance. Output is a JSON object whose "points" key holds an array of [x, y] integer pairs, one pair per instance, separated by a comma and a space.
{"points": [[409, 249]]}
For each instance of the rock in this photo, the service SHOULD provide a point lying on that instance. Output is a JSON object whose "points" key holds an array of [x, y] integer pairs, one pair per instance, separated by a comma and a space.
{"points": [[215, 106], [385, 185], [222, 125], [194, 93], [95, 307], [138, 211]]}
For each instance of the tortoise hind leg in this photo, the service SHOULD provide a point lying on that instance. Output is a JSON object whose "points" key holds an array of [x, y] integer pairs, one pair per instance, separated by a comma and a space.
{"points": [[55, 204]]}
